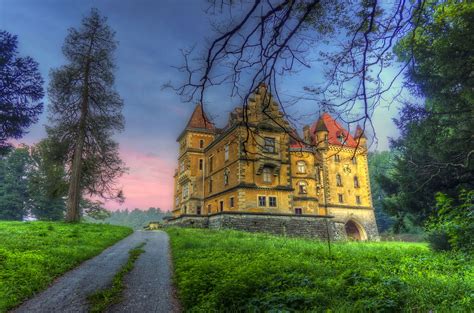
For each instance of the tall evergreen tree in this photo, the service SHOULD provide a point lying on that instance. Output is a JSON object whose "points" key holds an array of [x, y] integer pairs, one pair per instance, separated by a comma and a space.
{"points": [[14, 168], [85, 111], [21, 90]]}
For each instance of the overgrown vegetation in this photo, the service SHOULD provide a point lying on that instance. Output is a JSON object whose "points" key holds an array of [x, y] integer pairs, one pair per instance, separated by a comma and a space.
{"points": [[101, 300], [32, 254], [136, 219], [219, 271]]}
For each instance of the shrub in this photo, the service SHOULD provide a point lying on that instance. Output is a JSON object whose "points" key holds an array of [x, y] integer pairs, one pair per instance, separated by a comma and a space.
{"points": [[453, 225]]}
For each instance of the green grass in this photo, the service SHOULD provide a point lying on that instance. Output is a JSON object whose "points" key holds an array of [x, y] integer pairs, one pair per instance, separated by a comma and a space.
{"points": [[102, 299], [236, 271], [32, 254]]}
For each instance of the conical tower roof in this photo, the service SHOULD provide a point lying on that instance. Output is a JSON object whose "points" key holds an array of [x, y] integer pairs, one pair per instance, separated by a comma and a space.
{"points": [[199, 119]]}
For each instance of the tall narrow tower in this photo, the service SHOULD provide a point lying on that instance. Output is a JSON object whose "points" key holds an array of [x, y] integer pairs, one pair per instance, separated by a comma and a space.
{"points": [[189, 176]]}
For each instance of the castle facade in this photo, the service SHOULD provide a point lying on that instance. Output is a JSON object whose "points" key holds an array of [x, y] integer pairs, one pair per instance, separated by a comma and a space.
{"points": [[259, 166]]}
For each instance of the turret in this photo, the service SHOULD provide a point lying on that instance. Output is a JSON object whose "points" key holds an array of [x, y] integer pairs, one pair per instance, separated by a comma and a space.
{"points": [[321, 134], [307, 134], [360, 137]]}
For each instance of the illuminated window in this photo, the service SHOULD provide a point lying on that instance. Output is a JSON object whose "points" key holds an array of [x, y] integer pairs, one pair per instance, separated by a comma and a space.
{"points": [[262, 201], [338, 180], [267, 175], [303, 187], [301, 167]]}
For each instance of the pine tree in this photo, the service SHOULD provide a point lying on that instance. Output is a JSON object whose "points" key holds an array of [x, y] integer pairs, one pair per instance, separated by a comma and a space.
{"points": [[85, 110]]}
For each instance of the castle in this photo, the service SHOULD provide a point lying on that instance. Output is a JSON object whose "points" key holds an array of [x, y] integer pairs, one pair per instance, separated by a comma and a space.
{"points": [[257, 174]]}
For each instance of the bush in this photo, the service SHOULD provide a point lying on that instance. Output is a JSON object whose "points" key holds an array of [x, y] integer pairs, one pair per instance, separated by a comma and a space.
{"points": [[453, 225]]}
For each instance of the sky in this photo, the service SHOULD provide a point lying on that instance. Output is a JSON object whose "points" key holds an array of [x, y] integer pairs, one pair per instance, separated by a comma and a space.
{"points": [[150, 34]]}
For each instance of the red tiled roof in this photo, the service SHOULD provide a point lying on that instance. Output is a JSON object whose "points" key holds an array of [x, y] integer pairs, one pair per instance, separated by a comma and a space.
{"points": [[335, 130], [199, 119]]}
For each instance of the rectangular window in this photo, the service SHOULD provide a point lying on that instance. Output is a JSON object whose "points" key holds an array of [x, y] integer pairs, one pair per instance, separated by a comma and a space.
{"points": [[201, 164], [221, 205], [341, 198], [262, 201], [226, 152], [201, 143], [298, 211], [272, 202], [269, 145], [211, 164], [337, 158], [198, 210], [231, 202], [354, 160], [358, 199], [210, 185], [267, 175], [209, 209]]}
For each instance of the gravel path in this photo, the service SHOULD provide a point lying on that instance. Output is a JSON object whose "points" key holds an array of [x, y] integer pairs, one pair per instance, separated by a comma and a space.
{"points": [[148, 284]]}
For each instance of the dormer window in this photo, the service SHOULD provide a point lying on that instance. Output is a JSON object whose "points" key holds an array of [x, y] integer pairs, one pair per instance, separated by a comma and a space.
{"points": [[267, 175], [269, 145], [301, 167]]}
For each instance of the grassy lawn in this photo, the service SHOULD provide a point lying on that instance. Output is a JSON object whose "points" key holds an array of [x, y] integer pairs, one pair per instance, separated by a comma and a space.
{"points": [[236, 271], [32, 254]]}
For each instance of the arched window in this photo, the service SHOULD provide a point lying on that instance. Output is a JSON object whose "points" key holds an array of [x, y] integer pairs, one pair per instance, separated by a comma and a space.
{"points": [[226, 177], [267, 174], [356, 182], [301, 167], [302, 187], [338, 180]]}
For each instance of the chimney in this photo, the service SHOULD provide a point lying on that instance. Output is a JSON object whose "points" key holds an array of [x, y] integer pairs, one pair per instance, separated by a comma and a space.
{"points": [[306, 134]]}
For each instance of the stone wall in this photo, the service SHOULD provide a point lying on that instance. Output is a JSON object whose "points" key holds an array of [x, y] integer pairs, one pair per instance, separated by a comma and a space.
{"points": [[310, 226]]}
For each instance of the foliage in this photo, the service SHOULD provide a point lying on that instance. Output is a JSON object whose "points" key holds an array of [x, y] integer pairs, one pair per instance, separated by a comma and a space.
{"points": [[453, 225], [32, 254], [103, 299], [47, 183], [21, 90], [85, 111], [14, 198], [380, 163], [234, 271], [136, 219], [435, 151], [94, 209]]}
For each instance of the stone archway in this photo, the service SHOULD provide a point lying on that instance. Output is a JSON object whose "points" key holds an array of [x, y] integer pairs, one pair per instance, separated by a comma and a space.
{"points": [[354, 231]]}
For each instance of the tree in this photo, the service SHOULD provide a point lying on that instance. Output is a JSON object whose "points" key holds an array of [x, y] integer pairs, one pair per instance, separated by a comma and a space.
{"points": [[380, 163], [85, 110], [95, 210], [14, 168], [349, 42], [47, 182], [21, 90], [436, 149]]}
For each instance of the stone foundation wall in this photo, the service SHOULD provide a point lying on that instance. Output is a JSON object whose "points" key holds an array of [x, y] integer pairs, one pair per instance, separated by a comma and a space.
{"points": [[310, 226]]}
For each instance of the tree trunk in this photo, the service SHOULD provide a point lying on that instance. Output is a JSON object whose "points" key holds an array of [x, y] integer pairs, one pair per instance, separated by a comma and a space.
{"points": [[74, 192]]}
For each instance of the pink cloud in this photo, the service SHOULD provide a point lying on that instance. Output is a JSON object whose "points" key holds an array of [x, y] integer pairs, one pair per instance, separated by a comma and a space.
{"points": [[149, 182]]}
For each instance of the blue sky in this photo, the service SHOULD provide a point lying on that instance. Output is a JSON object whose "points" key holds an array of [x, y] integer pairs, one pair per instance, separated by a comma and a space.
{"points": [[150, 35]]}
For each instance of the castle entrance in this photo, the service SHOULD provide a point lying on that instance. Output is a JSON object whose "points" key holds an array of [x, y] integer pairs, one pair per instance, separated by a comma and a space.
{"points": [[352, 230]]}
